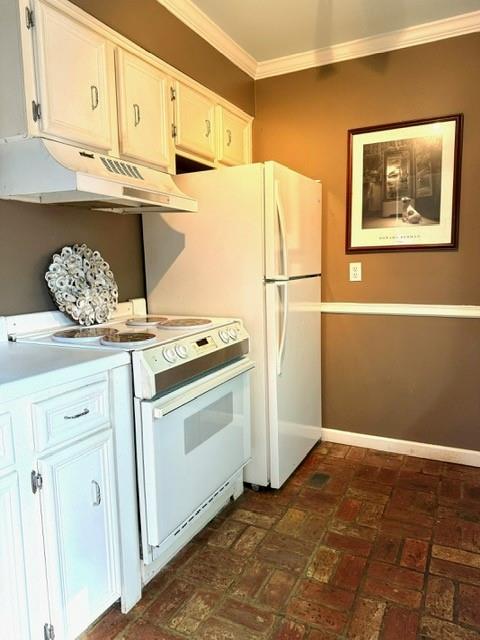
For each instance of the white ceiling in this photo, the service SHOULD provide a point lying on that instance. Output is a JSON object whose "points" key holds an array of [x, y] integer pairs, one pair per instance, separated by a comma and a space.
{"points": [[268, 29]]}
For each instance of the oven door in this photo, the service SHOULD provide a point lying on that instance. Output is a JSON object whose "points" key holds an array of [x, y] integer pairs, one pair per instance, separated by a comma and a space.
{"points": [[193, 440]]}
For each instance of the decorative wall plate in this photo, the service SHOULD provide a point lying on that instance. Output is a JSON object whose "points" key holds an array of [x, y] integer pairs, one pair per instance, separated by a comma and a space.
{"points": [[82, 284]]}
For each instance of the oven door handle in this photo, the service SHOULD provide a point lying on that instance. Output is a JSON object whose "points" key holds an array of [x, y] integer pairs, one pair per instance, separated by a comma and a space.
{"points": [[200, 387]]}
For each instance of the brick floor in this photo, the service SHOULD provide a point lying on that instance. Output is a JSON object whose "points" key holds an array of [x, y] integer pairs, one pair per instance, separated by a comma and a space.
{"points": [[358, 545]]}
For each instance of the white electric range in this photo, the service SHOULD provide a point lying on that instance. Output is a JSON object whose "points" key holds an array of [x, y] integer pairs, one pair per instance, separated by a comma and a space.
{"points": [[191, 396]]}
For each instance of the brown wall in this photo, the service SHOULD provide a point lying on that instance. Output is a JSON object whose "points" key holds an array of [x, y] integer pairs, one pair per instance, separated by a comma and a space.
{"points": [[29, 234], [379, 372]]}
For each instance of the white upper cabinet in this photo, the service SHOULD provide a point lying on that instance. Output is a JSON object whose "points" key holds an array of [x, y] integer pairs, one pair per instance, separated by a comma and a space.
{"points": [[194, 123], [144, 111], [75, 71], [234, 136]]}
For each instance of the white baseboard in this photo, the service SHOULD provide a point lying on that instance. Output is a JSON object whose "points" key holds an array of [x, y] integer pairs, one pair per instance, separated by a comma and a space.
{"points": [[417, 449]]}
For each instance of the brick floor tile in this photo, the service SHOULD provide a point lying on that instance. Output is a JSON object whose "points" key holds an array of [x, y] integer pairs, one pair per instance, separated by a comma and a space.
{"points": [[371, 487], [338, 450], [469, 605], [395, 575], [356, 453], [321, 634], [356, 546], [257, 519], [291, 522], [290, 630], [313, 527], [415, 554], [369, 495], [226, 534], [349, 572], [318, 501], [215, 568], [386, 548], [169, 601], [400, 624], [405, 529], [434, 629], [456, 555], [455, 571], [387, 476], [400, 595], [371, 514], [188, 619], [418, 481], [218, 629], [282, 558], [322, 566], [316, 613], [383, 459], [419, 501], [144, 630], [246, 615], [109, 625], [348, 509], [251, 580], [277, 590], [367, 620], [450, 489], [182, 558], [439, 600], [325, 594], [277, 540], [353, 530], [472, 492], [249, 540], [262, 502]]}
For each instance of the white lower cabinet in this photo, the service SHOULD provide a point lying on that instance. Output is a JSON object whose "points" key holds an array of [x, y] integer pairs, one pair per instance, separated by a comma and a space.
{"points": [[79, 517], [13, 586], [68, 549]]}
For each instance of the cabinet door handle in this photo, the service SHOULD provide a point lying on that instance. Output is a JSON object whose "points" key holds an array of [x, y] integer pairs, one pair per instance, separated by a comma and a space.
{"points": [[136, 115], [209, 128], [97, 494], [94, 96], [77, 415], [229, 137]]}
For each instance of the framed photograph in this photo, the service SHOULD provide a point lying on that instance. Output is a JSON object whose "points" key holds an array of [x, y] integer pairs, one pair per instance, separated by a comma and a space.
{"points": [[403, 185]]}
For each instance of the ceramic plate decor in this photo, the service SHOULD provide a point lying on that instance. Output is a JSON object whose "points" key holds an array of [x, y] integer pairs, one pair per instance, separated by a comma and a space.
{"points": [[82, 284]]}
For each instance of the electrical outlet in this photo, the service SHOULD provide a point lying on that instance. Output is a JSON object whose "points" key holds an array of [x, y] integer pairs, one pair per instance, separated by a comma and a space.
{"points": [[355, 271]]}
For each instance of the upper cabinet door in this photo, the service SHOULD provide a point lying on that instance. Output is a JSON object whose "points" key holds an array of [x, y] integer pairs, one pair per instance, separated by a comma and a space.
{"points": [[234, 134], [75, 75], [143, 104], [195, 122]]}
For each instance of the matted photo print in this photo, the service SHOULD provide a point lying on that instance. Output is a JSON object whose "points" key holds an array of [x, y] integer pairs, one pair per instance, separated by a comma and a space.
{"points": [[403, 185]]}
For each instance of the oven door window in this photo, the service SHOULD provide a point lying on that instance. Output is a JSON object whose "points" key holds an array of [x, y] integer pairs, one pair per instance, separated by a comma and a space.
{"points": [[191, 452]]}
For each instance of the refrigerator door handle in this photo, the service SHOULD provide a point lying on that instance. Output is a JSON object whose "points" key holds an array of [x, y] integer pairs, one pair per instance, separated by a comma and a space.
{"points": [[281, 226], [282, 288]]}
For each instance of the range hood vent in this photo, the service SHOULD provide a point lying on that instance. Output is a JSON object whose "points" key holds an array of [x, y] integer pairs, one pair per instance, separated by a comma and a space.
{"points": [[48, 172]]}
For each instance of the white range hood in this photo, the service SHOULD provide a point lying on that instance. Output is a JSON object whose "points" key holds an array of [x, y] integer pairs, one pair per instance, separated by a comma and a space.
{"points": [[48, 172]]}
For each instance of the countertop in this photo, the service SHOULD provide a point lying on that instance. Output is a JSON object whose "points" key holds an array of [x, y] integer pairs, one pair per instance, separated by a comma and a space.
{"points": [[27, 368]]}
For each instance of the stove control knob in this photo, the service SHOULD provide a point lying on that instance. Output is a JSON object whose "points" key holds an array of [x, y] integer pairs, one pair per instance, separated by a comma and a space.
{"points": [[223, 333], [181, 350], [233, 333], [169, 354]]}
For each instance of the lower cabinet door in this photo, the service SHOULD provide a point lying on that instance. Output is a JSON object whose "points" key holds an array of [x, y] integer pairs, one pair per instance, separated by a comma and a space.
{"points": [[13, 603], [79, 514]]}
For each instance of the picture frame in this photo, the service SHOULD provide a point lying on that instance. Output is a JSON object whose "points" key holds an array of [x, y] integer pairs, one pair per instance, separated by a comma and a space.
{"points": [[403, 185]]}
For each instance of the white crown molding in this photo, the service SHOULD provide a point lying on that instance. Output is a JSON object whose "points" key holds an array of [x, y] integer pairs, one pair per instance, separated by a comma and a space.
{"points": [[393, 309], [198, 21], [406, 447], [400, 39]]}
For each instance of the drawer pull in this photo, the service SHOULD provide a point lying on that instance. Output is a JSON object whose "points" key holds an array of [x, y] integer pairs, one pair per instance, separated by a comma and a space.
{"points": [[97, 494], [77, 415], [209, 128], [94, 96], [229, 137]]}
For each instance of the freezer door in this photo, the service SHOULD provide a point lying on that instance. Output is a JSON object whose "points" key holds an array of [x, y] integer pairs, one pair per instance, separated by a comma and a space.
{"points": [[293, 223], [294, 373]]}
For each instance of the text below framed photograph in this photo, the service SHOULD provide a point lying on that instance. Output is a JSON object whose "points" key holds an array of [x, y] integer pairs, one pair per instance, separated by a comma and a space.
{"points": [[403, 185]]}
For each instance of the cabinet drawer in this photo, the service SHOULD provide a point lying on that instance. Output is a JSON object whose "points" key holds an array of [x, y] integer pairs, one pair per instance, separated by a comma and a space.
{"points": [[69, 414], [7, 455]]}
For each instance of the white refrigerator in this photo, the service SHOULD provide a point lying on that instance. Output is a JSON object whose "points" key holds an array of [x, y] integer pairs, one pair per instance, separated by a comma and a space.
{"points": [[252, 251]]}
